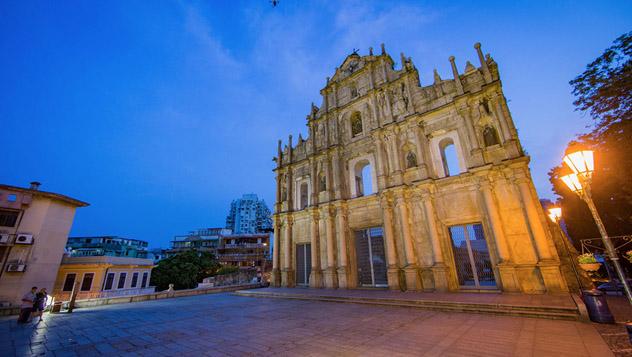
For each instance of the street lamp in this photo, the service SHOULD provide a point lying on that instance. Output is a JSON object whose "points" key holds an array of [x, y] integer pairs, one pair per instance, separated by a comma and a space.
{"points": [[555, 214], [582, 164]]}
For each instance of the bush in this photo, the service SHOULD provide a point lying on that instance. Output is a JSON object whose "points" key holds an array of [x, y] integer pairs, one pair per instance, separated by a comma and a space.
{"points": [[227, 269], [184, 270]]}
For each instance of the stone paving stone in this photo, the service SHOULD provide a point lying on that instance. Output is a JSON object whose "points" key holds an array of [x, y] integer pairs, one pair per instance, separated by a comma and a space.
{"points": [[226, 325]]}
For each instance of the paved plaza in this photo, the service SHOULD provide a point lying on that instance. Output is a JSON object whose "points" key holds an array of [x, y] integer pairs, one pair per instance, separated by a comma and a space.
{"points": [[224, 324]]}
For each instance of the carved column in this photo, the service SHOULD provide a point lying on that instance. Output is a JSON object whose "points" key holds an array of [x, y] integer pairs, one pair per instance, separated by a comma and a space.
{"points": [[338, 187], [314, 181], [316, 277], [548, 264], [287, 274], [276, 254], [476, 154], [439, 269], [330, 274], [389, 239], [343, 254], [411, 270], [505, 266], [424, 149], [380, 162], [504, 126]]}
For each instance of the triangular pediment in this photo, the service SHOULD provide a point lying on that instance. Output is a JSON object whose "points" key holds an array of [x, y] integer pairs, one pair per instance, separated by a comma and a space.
{"points": [[350, 65]]}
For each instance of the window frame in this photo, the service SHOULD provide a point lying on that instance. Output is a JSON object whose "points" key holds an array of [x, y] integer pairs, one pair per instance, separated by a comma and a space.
{"points": [[122, 275], [105, 281], [74, 279], [83, 280]]}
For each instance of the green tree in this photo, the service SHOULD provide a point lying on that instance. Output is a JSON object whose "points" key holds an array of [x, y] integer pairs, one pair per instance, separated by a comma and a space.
{"points": [[604, 91], [184, 270]]}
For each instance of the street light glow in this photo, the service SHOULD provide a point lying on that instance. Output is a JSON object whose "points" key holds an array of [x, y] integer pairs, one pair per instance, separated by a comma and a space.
{"points": [[572, 181], [581, 162], [555, 213]]}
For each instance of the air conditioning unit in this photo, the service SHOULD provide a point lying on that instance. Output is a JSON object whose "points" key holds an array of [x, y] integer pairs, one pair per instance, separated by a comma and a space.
{"points": [[24, 238], [17, 268], [4, 238]]}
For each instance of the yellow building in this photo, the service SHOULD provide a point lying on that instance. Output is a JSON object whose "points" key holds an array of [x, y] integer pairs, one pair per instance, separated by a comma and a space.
{"points": [[34, 227], [103, 277]]}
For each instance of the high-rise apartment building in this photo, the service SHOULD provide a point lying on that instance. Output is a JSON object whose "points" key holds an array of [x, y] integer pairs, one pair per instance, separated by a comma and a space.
{"points": [[249, 215]]}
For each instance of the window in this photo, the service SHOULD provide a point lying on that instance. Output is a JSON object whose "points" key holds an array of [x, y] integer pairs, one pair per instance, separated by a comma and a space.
{"points": [[490, 136], [304, 199], [363, 178], [121, 281], [86, 284], [356, 124], [12, 197], [8, 218], [144, 282], [134, 280], [449, 158], [109, 281], [69, 283], [411, 160]]}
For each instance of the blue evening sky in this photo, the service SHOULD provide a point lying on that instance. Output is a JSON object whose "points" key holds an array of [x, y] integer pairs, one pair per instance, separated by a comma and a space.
{"points": [[159, 113]]}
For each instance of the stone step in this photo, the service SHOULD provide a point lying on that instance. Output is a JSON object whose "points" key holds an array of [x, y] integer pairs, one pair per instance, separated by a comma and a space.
{"points": [[548, 312]]}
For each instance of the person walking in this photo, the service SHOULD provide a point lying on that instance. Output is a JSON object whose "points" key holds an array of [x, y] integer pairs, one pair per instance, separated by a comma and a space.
{"points": [[41, 298], [27, 305]]}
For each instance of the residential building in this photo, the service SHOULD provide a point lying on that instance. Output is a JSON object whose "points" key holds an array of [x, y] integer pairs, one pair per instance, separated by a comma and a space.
{"points": [[103, 276], [249, 215], [106, 245], [202, 240], [245, 250], [34, 226], [411, 186]]}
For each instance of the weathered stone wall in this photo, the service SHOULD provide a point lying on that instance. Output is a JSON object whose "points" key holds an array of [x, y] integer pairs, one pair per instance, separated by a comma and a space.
{"points": [[374, 114]]}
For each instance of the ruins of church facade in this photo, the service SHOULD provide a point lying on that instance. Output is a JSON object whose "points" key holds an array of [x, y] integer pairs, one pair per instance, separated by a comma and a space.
{"points": [[410, 186]]}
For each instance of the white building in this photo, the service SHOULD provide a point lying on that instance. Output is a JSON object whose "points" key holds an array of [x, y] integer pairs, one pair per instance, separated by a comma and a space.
{"points": [[249, 214]]}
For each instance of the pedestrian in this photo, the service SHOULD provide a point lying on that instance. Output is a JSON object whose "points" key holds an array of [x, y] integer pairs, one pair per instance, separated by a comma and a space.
{"points": [[27, 305], [41, 298]]}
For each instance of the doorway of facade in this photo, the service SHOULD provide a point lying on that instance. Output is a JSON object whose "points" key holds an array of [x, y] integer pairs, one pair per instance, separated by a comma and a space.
{"points": [[303, 263], [471, 257], [371, 257]]}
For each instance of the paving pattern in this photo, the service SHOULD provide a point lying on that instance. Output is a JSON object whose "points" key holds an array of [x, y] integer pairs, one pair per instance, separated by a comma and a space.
{"points": [[228, 325]]}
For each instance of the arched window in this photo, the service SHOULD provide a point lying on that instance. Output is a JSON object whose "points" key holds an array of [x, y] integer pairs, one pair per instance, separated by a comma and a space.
{"points": [[304, 196], [363, 178], [490, 136], [449, 157], [322, 182], [356, 124], [411, 160]]}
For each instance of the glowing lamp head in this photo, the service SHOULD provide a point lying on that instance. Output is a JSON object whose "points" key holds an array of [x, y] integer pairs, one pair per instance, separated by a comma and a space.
{"points": [[572, 181], [581, 162], [555, 213]]}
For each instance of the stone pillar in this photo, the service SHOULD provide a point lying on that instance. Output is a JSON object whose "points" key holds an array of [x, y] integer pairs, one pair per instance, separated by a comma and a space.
{"points": [[287, 274], [486, 74], [424, 149], [411, 270], [380, 162], [316, 277], [343, 254], [314, 181], [389, 239], [276, 255], [330, 274], [506, 268], [476, 154], [439, 269], [504, 126], [533, 219], [338, 187], [457, 79]]}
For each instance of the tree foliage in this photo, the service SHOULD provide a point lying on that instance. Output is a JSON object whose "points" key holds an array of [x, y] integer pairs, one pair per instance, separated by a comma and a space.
{"points": [[184, 270], [604, 91]]}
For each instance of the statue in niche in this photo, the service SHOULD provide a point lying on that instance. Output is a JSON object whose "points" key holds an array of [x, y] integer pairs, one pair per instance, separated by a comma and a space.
{"points": [[382, 105], [283, 189], [398, 103], [411, 160], [404, 97], [322, 182], [320, 135]]}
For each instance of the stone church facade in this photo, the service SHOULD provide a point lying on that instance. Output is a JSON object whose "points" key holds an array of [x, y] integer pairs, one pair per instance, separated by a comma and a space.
{"points": [[411, 187]]}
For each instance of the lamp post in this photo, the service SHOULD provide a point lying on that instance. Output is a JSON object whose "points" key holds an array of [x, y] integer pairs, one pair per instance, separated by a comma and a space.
{"points": [[582, 164], [555, 214]]}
